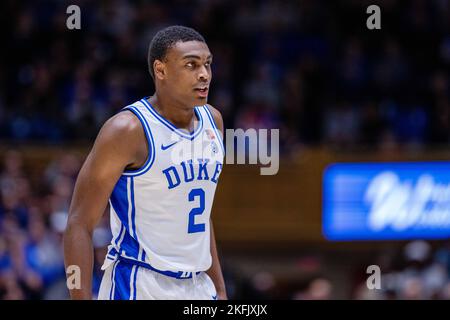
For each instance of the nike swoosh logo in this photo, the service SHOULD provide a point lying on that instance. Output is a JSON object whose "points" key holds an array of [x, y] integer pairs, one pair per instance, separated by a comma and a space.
{"points": [[214, 297], [163, 147]]}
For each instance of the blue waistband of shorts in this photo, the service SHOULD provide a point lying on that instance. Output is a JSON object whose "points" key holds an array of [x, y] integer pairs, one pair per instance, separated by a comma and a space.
{"points": [[173, 274]]}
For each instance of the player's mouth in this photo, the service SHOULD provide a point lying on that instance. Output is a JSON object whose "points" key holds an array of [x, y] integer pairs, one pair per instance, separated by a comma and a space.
{"points": [[202, 91]]}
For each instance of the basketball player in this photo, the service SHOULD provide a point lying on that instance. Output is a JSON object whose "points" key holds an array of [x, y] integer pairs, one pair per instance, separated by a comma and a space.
{"points": [[163, 244]]}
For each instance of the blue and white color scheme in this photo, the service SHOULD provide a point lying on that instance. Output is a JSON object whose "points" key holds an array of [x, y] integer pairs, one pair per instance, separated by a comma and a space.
{"points": [[160, 212], [128, 281], [386, 201]]}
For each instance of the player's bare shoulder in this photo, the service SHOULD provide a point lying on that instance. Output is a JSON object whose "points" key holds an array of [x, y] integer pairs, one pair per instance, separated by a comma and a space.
{"points": [[124, 127], [123, 135], [217, 117]]}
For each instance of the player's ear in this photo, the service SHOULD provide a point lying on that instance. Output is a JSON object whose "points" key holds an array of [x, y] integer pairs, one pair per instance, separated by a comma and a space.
{"points": [[160, 69]]}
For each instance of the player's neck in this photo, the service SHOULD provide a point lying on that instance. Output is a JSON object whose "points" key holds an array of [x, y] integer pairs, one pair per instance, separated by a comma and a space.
{"points": [[181, 116]]}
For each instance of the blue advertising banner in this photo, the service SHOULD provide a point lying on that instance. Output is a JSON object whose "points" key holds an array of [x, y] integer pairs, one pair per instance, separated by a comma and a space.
{"points": [[386, 201]]}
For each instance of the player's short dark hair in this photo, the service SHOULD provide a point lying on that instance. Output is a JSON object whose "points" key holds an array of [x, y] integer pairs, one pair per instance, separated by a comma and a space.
{"points": [[165, 39]]}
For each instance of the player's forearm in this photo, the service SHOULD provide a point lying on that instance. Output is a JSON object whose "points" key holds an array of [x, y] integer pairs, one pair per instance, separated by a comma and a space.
{"points": [[79, 252], [215, 271]]}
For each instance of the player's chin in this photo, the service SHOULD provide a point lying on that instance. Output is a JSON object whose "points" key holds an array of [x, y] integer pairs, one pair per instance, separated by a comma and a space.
{"points": [[200, 98]]}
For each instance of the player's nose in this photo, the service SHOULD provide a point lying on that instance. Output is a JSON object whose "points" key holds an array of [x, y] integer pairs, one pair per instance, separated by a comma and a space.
{"points": [[203, 75]]}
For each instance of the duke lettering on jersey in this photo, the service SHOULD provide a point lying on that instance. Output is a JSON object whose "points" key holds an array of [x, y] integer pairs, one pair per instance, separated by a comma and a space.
{"points": [[143, 213], [188, 171]]}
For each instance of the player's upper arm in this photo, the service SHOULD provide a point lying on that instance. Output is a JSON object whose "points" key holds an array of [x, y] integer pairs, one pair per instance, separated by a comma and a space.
{"points": [[217, 118], [116, 147]]}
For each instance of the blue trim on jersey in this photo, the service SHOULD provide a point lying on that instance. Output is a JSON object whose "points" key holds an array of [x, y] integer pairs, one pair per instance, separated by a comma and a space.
{"points": [[211, 119], [130, 243], [133, 210], [121, 204], [120, 234], [112, 252], [122, 280], [117, 239], [172, 274], [129, 246], [112, 280], [172, 127], [151, 144], [119, 199], [134, 282]]}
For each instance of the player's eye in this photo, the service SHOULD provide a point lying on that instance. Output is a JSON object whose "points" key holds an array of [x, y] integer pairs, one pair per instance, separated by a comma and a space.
{"points": [[190, 64], [208, 64]]}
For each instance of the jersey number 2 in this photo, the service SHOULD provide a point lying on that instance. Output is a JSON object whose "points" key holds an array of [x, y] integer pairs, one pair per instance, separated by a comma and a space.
{"points": [[200, 227]]}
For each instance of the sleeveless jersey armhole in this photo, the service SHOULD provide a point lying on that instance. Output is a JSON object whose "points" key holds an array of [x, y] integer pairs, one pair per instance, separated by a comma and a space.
{"points": [[151, 144]]}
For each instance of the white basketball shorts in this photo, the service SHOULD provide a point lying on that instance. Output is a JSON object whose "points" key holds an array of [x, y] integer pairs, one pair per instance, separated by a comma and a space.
{"points": [[123, 280]]}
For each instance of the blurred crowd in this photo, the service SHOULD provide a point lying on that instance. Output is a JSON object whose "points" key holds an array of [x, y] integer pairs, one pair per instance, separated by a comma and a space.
{"points": [[310, 68], [413, 270], [419, 270], [33, 215]]}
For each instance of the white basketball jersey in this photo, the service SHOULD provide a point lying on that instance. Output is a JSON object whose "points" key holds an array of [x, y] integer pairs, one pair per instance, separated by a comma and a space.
{"points": [[160, 213]]}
